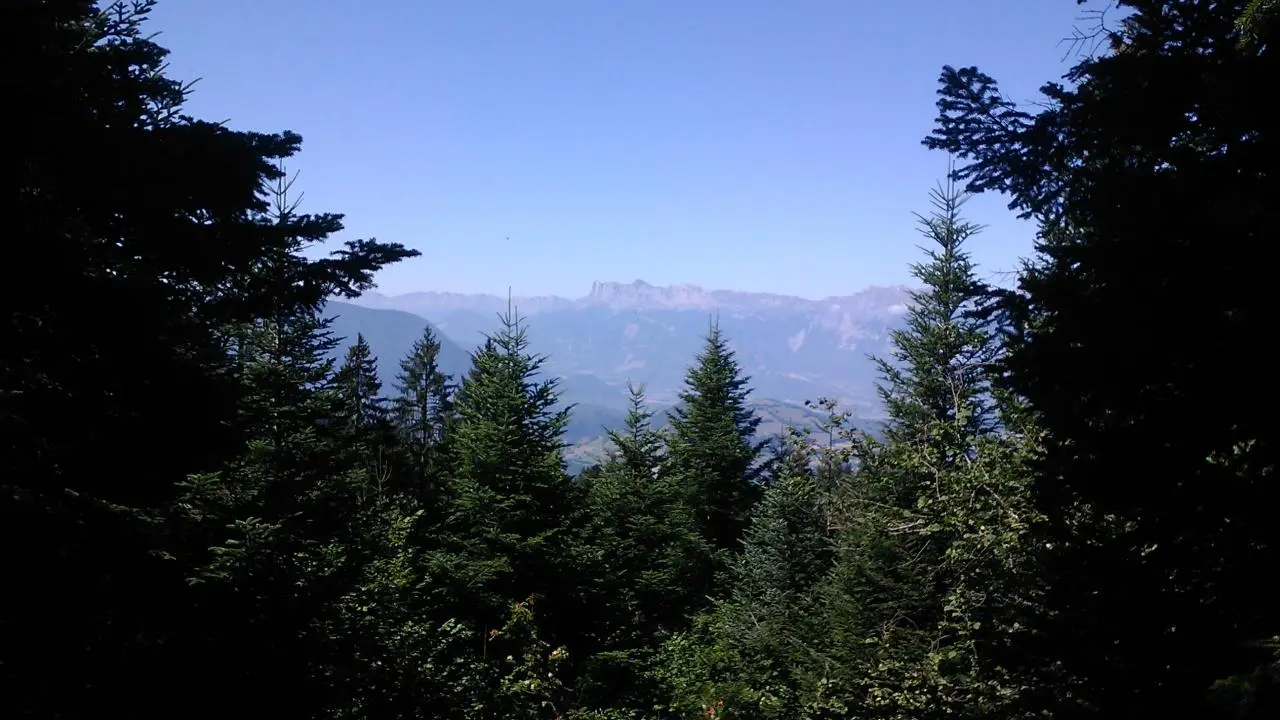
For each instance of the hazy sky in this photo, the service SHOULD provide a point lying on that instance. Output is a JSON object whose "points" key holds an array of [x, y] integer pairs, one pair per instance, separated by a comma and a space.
{"points": [[765, 145]]}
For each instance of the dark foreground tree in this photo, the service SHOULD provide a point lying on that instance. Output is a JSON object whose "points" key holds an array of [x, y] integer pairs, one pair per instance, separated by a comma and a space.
{"points": [[1142, 343], [148, 241]]}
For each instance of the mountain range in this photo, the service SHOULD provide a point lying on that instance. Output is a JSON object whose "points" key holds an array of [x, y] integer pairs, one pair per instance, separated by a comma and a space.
{"points": [[794, 349]]}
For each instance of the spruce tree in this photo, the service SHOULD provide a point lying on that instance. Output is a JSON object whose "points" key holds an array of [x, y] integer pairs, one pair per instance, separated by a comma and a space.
{"points": [[937, 379], [772, 617], [785, 549], [637, 448], [367, 432], [511, 501], [277, 525], [424, 406], [1150, 174], [645, 552], [359, 389], [714, 452], [112, 384], [263, 518], [120, 196], [936, 518]]}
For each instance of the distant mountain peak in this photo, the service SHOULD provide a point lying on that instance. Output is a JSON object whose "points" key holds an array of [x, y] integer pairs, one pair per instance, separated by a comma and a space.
{"points": [[640, 295], [608, 286]]}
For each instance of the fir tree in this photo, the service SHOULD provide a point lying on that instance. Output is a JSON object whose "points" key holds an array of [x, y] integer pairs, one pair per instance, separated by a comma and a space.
{"points": [[279, 525], [270, 502], [785, 549], [424, 406], [714, 452], [936, 518], [263, 518], [937, 381], [637, 447], [359, 389], [511, 501], [118, 195], [1150, 175], [104, 404], [773, 616], [645, 554], [367, 432]]}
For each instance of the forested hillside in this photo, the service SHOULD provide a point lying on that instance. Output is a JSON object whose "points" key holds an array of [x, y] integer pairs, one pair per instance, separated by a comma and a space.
{"points": [[211, 510]]}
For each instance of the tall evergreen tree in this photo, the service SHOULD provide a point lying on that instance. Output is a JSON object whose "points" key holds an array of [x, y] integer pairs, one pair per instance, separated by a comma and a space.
{"points": [[645, 552], [365, 425], [118, 196], [714, 451], [773, 615], [424, 406], [261, 521], [1151, 175], [637, 448], [359, 388], [785, 549], [511, 501], [935, 519], [278, 545], [937, 380]]}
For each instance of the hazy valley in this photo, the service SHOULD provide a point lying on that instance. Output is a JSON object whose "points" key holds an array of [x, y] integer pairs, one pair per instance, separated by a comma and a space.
{"points": [[794, 349]]}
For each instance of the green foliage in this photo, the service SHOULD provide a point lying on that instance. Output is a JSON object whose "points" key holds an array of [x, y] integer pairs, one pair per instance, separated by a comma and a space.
{"points": [[424, 407], [1150, 177], [511, 506], [120, 197], [528, 687], [773, 615], [359, 389], [642, 556], [936, 522], [278, 526], [892, 589], [713, 451], [637, 448], [908, 508], [1258, 24], [937, 378], [1067, 515], [508, 462]]}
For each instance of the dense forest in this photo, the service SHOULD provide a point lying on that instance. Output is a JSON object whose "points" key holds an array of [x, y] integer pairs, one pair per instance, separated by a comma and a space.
{"points": [[1070, 513]]}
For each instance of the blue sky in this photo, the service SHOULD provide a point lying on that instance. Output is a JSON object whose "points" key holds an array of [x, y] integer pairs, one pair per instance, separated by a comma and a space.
{"points": [[760, 145]]}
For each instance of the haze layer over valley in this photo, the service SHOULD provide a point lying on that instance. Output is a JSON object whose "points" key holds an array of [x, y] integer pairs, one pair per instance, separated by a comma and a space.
{"points": [[794, 349]]}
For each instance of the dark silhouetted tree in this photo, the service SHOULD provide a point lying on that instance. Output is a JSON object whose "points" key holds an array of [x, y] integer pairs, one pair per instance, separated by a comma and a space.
{"points": [[1151, 173]]}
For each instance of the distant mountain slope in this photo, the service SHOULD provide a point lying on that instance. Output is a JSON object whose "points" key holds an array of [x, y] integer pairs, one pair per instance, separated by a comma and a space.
{"points": [[391, 335], [636, 295], [657, 351], [587, 444], [794, 349]]}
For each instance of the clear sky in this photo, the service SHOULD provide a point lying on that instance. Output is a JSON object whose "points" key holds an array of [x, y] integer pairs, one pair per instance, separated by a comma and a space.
{"points": [[761, 145]]}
